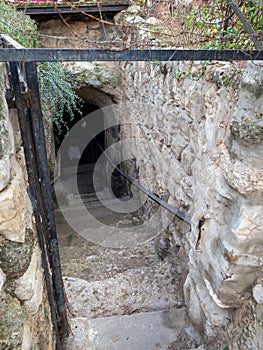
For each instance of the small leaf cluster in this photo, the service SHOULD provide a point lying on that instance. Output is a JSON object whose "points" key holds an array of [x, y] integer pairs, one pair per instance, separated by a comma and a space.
{"points": [[57, 92], [56, 83], [18, 25], [220, 28]]}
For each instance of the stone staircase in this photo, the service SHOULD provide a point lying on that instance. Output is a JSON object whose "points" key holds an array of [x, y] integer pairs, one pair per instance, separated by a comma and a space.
{"points": [[162, 330], [125, 299]]}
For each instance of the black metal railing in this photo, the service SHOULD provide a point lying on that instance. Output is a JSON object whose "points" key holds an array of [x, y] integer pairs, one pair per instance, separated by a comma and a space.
{"points": [[23, 82], [177, 212]]}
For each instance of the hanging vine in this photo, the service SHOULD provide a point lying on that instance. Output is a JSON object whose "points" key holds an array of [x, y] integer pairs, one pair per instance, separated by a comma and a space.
{"points": [[57, 92], [56, 83]]}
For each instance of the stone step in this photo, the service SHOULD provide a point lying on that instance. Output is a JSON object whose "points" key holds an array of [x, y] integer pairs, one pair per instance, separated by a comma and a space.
{"points": [[92, 203], [92, 199], [91, 262], [162, 330], [145, 289]]}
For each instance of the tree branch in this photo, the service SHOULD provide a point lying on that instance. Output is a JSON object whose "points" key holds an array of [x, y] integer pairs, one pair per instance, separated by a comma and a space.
{"points": [[246, 24]]}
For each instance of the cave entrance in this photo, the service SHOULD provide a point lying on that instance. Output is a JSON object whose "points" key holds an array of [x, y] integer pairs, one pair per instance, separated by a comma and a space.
{"points": [[92, 151], [93, 101]]}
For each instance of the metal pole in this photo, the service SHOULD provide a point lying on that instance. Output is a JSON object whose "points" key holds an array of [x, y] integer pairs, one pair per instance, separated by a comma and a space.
{"points": [[33, 186], [46, 192]]}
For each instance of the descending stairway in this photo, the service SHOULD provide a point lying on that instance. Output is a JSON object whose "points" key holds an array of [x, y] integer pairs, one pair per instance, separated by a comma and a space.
{"points": [[121, 298]]}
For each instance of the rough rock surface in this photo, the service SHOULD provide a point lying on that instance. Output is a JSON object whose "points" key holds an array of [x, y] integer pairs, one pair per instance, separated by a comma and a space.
{"points": [[115, 293], [24, 311], [81, 32], [198, 133]]}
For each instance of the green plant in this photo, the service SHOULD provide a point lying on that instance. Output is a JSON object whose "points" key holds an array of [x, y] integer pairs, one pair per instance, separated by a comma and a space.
{"points": [[219, 27], [56, 83], [57, 93], [156, 63], [178, 75], [192, 75], [18, 25], [140, 3]]}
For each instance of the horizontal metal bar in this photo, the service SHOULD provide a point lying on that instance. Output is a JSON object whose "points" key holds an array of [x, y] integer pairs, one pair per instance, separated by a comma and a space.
{"points": [[158, 200], [50, 55], [154, 197], [50, 10]]}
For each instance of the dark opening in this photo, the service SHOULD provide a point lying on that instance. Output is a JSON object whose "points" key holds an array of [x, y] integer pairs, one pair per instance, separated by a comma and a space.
{"points": [[90, 154], [61, 132], [96, 146]]}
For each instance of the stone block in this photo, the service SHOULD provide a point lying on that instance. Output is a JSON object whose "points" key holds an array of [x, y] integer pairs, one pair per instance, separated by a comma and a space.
{"points": [[187, 159], [2, 279], [178, 145], [15, 257], [27, 338], [4, 173], [243, 178], [26, 284], [12, 319], [29, 287], [258, 293], [13, 213], [34, 303], [192, 302], [247, 227]]}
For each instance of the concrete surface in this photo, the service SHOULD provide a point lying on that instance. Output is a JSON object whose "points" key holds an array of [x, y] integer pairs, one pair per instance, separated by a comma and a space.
{"points": [[142, 331]]}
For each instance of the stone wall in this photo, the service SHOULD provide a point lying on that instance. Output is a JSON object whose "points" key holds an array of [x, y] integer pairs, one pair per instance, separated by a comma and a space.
{"points": [[75, 31], [198, 131], [24, 311]]}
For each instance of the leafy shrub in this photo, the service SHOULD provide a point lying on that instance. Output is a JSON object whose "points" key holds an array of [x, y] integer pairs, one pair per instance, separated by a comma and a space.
{"points": [[55, 81], [220, 28], [18, 25], [56, 86]]}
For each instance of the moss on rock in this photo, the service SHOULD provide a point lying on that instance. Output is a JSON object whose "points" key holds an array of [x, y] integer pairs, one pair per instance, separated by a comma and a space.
{"points": [[11, 323], [15, 257], [249, 128], [94, 74], [227, 76]]}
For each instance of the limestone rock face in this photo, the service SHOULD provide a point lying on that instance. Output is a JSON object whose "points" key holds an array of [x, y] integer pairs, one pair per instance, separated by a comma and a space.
{"points": [[104, 77], [13, 211], [2, 279], [29, 287], [200, 142], [24, 310], [4, 173]]}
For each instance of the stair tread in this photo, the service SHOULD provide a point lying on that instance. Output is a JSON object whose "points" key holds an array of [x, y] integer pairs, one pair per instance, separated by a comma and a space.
{"points": [[141, 289], [145, 330]]}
